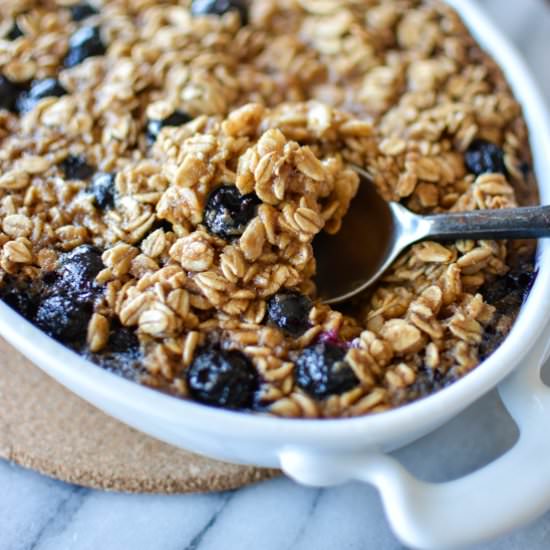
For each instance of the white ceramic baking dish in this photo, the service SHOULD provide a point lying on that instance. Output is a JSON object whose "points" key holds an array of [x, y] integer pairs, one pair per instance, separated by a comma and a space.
{"points": [[507, 493]]}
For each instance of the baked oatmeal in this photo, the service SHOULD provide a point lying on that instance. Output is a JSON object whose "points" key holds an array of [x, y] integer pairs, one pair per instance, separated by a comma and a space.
{"points": [[165, 167]]}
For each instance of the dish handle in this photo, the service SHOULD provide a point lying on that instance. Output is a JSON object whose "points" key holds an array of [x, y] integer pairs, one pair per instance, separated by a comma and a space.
{"points": [[507, 493]]}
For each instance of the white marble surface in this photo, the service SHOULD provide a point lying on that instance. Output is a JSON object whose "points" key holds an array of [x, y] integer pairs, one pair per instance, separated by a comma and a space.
{"points": [[37, 513]]}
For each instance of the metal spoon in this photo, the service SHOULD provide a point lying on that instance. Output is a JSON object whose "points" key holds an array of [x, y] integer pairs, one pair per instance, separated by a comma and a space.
{"points": [[374, 232]]}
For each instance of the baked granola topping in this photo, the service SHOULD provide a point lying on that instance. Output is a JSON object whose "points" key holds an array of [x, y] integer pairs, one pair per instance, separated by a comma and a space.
{"points": [[166, 165]]}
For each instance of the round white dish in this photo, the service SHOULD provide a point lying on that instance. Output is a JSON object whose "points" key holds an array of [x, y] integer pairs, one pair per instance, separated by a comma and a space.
{"points": [[512, 490]]}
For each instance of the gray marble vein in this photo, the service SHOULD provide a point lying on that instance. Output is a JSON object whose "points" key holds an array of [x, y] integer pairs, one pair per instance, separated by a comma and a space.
{"points": [[198, 538], [116, 521], [277, 509], [28, 502], [307, 520], [37, 513], [62, 516]]}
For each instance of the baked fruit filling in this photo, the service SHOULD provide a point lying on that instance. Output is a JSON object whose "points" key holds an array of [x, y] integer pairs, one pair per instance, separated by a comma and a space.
{"points": [[166, 166]]}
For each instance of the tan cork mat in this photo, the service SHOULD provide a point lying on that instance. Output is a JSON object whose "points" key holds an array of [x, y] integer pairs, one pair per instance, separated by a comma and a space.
{"points": [[45, 427]]}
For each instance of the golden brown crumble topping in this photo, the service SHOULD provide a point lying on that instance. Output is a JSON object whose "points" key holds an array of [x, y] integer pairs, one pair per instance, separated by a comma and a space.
{"points": [[180, 106]]}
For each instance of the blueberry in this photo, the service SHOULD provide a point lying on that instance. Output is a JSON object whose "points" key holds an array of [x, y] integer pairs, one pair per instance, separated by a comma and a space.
{"points": [[63, 317], [85, 42], [165, 225], [483, 156], [490, 341], [290, 312], [332, 337], [76, 167], [9, 94], [23, 303], [122, 355], [15, 32], [322, 371], [154, 126], [227, 212], [525, 168], [48, 87], [20, 297], [510, 288], [123, 340], [78, 271], [429, 381], [222, 379], [82, 11], [220, 7], [103, 190]]}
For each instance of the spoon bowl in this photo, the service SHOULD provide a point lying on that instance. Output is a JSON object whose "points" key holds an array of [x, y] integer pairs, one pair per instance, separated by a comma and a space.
{"points": [[352, 258]]}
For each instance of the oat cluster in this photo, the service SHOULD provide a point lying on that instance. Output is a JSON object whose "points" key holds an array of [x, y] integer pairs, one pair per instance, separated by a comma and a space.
{"points": [[181, 105]]}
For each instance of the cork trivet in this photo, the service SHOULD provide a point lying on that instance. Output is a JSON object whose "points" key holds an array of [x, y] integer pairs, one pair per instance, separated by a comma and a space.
{"points": [[45, 427]]}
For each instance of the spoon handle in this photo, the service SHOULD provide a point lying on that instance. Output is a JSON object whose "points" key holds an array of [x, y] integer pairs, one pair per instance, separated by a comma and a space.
{"points": [[530, 222]]}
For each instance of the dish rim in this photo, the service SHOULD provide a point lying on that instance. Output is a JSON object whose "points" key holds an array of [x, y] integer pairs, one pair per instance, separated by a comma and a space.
{"points": [[65, 364]]}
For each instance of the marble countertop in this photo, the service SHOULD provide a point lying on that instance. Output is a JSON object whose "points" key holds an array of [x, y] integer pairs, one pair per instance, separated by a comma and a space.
{"points": [[37, 513]]}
